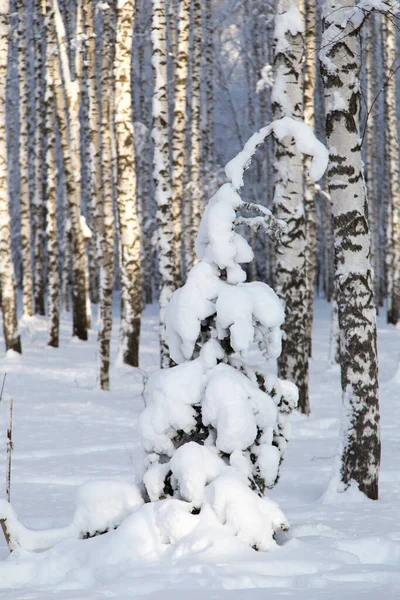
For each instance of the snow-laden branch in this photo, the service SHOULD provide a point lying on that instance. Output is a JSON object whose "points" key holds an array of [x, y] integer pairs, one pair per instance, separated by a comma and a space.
{"points": [[303, 136], [271, 225]]}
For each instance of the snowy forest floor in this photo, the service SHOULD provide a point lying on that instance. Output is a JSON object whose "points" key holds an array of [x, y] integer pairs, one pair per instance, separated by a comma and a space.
{"points": [[67, 432]]}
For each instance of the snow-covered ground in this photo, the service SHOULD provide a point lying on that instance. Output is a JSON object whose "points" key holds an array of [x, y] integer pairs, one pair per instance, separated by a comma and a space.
{"points": [[67, 432]]}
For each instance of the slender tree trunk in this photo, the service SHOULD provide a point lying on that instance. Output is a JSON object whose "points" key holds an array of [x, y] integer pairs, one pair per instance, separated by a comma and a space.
{"points": [[7, 279], [179, 151], [131, 289], [209, 57], [161, 172], [105, 211], [70, 142], [195, 191], [38, 212], [143, 160], [372, 174], [93, 144], [393, 173], [309, 185], [27, 280], [51, 178], [290, 274], [359, 446]]}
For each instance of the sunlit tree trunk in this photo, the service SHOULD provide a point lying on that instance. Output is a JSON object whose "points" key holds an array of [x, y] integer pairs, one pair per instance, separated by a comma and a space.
{"points": [[7, 279], [27, 281], [131, 289], [68, 102], [51, 178], [359, 446], [38, 218], [161, 172], [290, 266], [393, 175]]}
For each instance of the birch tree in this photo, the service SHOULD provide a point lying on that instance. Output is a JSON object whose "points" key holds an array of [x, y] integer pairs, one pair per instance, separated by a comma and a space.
{"points": [[290, 265], [359, 445], [195, 191], [7, 280], [38, 218], [131, 289], [27, 280], [309, 186], [393, 174], [105, 213], [68, 105], [209, 58], [179, 151], [161, 172], [51, 178]]}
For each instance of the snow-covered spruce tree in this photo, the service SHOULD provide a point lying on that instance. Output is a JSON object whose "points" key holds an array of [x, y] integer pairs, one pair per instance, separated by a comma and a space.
{"points": [[130, 246], [290, 259], [8, 298], [214, 427], [359, 444]]}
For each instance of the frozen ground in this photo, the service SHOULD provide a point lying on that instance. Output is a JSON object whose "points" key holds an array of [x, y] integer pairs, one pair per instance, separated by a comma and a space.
{"points": [[67, 432]]}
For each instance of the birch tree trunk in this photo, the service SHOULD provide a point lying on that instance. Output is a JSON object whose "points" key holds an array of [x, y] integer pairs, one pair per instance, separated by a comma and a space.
{"points": [[7, 279], [195, 191], [309, 185], [105, 209], [38, 217], [131, 289], [70, 142], [393, 174], [27, 280], [371, 166], [208, 160], [179, 142], [290, 265], [93, 143], [51, 178], [161, 172], [143, 159], [359, 445]]}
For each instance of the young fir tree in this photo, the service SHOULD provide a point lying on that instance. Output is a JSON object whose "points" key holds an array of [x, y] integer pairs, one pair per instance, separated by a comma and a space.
{"points": [[359, 446], [214, 427]]}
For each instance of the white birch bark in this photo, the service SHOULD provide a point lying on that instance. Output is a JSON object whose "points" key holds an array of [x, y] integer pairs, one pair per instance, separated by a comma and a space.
{"points": [[51, 178], [209, 58], [7, 279], [38, 217], [131, 289], [393, 174], [27, 280], [195, 192], [161, 172], [179, 142], [359, 444], [70, 142], [290, 266], [309, 185], [143, 159]]}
